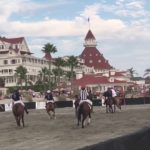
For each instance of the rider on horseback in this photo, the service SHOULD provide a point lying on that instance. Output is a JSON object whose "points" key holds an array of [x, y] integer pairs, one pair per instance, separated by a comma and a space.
{"points": [[84, 97], [49, 97], [16, 97], [110, 94]]}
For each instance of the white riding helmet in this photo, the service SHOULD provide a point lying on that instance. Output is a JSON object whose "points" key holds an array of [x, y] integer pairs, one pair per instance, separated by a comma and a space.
{"points": [[48, 91]]}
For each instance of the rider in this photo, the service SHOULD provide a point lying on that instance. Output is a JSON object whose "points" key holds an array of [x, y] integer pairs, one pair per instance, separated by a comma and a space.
{"points": [[16, 97], [108, 94], [114, 93], [84, 96], [49, 97]]}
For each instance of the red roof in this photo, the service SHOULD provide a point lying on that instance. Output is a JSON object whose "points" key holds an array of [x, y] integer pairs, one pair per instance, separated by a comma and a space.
{"points": [[89, 35], [12, 40], [92, 79], [93, 58]]}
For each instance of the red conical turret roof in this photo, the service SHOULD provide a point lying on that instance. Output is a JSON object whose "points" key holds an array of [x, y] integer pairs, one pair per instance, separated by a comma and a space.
{"points": [[91, 56], [89, 35]]}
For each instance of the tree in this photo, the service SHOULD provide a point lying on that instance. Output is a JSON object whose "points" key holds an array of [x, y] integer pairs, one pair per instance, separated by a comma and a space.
{"points": [[59, 62], [21, 73], [48, 49], [43, 74], [72, 63], [69, 75], [147, 72], [132, 72]]}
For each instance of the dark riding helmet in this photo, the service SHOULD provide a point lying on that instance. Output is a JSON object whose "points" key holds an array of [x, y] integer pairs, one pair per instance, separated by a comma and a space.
{"points": [[83, 87]]}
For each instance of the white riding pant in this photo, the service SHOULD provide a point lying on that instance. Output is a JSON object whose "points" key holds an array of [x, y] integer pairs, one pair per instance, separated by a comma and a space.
{"points": [[87, 100], [16, 102]]}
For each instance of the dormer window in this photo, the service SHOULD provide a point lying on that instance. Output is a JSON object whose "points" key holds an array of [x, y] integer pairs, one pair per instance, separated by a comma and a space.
{"points": [[91, 61]]}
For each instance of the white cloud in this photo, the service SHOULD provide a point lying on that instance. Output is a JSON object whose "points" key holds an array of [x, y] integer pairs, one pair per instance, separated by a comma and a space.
{"points": [[116, 36]]}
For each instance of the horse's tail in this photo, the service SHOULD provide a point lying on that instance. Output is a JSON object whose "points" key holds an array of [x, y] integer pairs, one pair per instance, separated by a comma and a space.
{"points": [[80, 112]]}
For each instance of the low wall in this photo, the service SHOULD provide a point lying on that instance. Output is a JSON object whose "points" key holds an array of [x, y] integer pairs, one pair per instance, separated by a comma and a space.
{"points": [[61, 104], [137, 141]]}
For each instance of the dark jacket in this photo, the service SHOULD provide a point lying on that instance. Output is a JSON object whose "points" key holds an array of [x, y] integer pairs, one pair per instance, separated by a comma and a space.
{"points": [[108, 93], [16, 96], [49, 97]]}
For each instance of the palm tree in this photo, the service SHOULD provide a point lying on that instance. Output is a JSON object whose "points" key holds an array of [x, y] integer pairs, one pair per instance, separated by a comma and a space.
{"points": [[72, 63], [21, 73], [59, 62], [132, 72], [69, 75], [43, 74], [147, 72], [48, 49]]}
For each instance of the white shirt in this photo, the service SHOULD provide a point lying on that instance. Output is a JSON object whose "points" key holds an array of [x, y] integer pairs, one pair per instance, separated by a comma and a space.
{"points": [[114, 94]]}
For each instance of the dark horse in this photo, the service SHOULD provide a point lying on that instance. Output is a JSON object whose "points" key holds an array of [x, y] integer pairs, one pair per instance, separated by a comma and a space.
{"points": [[84, 111], [18, 111], [113, 101], [76, 103], [109, 104], [50, 107], [117, 102]]}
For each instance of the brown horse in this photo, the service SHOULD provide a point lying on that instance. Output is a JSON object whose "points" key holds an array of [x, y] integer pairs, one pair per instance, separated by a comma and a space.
{"points": [[76, 103], [109, 105], [84, 111], [18, 111], [50, 107], [117, 102]]}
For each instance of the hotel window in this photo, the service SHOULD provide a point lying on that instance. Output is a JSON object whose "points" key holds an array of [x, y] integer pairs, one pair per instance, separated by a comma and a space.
{"points": [[13, 61], [1, 46], [16, 46], [5, 62]]}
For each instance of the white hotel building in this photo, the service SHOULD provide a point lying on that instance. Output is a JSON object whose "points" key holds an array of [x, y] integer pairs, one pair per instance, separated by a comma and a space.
{"points": [[94, 69], [15, 52]]}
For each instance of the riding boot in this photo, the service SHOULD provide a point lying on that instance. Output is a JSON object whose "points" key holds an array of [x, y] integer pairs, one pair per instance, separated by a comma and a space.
{"points": [[25, 108]]}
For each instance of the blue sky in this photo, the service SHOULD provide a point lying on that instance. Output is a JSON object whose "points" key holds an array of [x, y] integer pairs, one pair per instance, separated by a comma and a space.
{"points": [[121, 27]]}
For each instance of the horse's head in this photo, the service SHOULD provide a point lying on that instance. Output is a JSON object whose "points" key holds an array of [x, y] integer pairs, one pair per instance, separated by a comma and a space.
{"points": [[76, 103]]}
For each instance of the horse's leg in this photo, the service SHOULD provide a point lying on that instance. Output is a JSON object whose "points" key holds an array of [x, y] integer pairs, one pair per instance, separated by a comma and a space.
{"points": [[89, 119], [18, 120], [114, 107], [54, 114], [22, 117], [83, 120], [110, 108], [79, 118], [106, 108]]}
